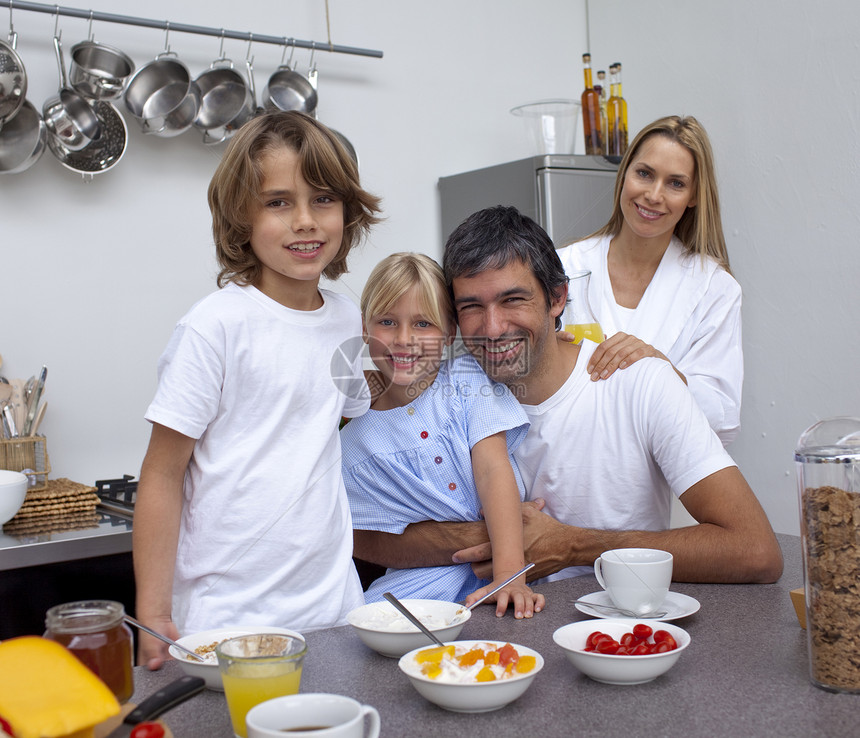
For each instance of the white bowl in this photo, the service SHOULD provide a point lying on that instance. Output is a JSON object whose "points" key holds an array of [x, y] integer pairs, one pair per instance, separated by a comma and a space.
{"points": [[474, 697], [209, 671], [611, 669], [13, 490], [381, 627]]}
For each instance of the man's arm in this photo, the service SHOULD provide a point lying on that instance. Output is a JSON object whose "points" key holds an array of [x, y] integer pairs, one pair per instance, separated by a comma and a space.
{"points": [[428, 543], [732, 542]]}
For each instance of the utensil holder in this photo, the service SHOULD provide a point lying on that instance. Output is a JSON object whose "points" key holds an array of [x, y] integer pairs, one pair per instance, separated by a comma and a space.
{"points": [[30, 453]]}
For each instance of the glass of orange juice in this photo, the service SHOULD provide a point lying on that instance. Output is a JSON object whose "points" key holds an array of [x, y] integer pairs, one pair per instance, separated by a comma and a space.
{"points": [[255, 668], [578, 318]]}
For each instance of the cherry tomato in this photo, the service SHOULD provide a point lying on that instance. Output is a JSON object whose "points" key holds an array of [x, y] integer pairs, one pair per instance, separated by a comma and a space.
{"points": [[5, 727], [623, 651], [148, 730], [628, 639], [642, 631], [607, 646], [641, 649], [662, 647], [664, 636], [592, 639]]}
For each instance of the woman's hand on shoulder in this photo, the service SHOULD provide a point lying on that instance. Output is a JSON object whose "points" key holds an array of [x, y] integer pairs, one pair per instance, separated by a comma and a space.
{"points": [[619, 352]]}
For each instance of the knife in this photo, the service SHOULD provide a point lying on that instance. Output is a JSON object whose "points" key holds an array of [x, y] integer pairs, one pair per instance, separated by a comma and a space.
{"points": [[163, 700]]}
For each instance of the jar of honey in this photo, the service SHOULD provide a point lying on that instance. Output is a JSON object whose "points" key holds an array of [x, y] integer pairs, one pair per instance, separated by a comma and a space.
{"points": [[94, 630]]}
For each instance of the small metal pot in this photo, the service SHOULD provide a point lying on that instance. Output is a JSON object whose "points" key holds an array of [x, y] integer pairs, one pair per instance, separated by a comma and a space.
{"points": [[99, 72], [13, 79], [68, 116], [162, 97], [289, 90], [227, 101], [22, 140]]}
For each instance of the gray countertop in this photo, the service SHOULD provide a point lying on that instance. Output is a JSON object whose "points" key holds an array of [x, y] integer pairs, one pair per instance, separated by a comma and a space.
{"points": [[745, 673], [112, 535]]}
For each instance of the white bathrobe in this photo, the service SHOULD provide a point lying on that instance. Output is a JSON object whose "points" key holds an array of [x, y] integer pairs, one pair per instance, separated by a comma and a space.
{"points": [[691, 312]]}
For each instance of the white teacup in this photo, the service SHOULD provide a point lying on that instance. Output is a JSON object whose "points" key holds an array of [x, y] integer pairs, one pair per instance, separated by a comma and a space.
{"points": [[315, 715], [636, 579]]}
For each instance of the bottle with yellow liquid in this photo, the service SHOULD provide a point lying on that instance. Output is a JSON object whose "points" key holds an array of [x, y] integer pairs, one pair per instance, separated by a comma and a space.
{"points": [[578, 317]]}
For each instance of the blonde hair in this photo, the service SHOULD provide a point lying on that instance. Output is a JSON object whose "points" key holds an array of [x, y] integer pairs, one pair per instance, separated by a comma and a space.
{"points": [[700, 228], [395, 275], [235, 188]]}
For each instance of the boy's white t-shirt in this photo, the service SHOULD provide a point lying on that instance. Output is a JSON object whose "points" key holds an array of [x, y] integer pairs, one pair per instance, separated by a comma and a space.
{"points": [[266, 532], [609, 455]]}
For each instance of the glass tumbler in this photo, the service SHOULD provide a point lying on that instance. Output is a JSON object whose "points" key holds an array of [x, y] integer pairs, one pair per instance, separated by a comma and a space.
{"points": [[828, 472], [255, 668], [578, 317]]}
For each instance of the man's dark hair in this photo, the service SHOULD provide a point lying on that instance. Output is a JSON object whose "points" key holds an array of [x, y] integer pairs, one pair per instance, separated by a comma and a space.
{"points": [[493, 238]]}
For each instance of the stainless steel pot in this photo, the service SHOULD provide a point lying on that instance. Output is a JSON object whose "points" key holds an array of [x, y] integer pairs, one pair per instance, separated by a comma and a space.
{"points": [[289, 90], [13, 79], [22, 140], [162, 96], [227, 101], [68, 116], [99, 72], [104, 153]]}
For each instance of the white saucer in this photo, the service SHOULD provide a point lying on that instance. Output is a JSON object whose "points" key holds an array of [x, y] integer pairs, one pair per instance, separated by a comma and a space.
{"points": [[676, 605]]}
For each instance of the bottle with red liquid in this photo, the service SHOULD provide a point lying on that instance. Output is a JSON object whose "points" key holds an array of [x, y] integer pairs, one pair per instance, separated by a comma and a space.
{"points": [[95, 632]]}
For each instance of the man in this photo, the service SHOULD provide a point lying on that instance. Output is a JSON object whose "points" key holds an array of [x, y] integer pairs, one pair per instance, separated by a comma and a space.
{"points": [[601, 459]]}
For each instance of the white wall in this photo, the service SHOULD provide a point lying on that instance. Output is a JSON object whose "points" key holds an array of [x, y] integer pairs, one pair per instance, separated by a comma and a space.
{"points": [[775, 82], [95, 275]]}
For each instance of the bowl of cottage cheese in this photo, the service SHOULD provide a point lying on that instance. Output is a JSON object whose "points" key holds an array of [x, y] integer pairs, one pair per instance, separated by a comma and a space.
{"points": [[382, 628]]}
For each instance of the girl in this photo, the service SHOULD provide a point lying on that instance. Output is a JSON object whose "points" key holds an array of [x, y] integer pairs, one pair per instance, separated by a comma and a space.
{"points": [[438, 441], [241, 514], [660, 281]]}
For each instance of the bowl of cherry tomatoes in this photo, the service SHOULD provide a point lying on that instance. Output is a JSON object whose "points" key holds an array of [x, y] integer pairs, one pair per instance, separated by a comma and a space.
{"points": [[622, 651]]}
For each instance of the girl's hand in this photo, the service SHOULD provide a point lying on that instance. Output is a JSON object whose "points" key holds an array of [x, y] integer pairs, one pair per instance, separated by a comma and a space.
{"points": [[619, 352], [525, 602]]}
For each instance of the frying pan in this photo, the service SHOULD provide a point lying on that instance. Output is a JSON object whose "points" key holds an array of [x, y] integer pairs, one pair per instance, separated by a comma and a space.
{"points": [[22, 140]]}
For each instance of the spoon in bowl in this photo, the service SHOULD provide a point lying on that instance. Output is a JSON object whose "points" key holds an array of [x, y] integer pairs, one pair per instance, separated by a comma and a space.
{"points": [[137, 624], [412, 619]]}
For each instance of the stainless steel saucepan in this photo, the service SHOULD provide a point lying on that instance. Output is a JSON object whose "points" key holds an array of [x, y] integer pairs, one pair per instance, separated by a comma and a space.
{"points": [[99, 72], [162, 96], [70, 119], [227, 101]]}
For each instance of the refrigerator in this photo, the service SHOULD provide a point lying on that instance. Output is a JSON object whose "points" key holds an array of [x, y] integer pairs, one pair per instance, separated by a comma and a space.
{"points": [[569, 195]]}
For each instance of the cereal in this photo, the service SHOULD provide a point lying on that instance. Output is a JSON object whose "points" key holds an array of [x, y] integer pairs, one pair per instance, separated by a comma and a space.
{"points": [[831, 517]]}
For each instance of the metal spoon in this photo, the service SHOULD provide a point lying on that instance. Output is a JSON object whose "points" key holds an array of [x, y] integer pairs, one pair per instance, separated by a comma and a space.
{"points": [[137, 624], [411, 618], [622, 611]]}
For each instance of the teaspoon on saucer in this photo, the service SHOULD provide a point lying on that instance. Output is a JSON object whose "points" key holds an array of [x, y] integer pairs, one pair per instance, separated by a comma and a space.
{"points": [[622, 611]]}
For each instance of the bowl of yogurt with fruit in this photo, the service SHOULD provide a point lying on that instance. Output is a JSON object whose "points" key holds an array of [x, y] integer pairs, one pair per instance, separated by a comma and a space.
{"points": [[472, 676]]}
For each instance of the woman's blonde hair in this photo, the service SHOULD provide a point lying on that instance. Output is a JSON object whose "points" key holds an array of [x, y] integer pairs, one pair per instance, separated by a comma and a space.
{"points": [[235, 189], [395, 275], [700, 228]]}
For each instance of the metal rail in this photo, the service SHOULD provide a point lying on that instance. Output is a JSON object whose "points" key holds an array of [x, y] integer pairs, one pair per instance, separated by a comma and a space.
{"points": [[168, 26]]}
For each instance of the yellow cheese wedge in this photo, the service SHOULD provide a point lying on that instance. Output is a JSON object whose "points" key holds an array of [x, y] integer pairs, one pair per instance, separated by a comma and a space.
{"points": [[46, 692]]}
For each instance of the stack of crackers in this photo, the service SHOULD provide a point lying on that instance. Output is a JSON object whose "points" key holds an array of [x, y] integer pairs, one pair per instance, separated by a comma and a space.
{"points": [[61, 505]]}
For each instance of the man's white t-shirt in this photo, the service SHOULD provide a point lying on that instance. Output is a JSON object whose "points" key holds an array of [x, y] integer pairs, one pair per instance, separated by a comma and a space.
{"points": [[266, 531], [608, 455]]}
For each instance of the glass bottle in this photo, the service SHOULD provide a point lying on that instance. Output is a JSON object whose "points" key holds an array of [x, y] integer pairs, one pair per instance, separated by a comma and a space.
{"points": [[590, 100], [616, 108], [578, 318], [94, 630], [827, 457], [604, 120]]}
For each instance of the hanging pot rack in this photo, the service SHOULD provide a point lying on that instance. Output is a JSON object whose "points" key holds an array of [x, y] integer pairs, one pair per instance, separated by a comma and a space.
{"points": [[169, 26]]}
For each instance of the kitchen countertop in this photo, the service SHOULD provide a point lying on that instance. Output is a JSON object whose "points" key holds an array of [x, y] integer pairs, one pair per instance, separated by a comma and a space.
{"points": [[112, 535], [745, 673]]}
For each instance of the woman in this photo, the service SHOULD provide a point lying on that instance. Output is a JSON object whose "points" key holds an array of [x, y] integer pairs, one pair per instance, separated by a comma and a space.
{"points": [[660, 281]]}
